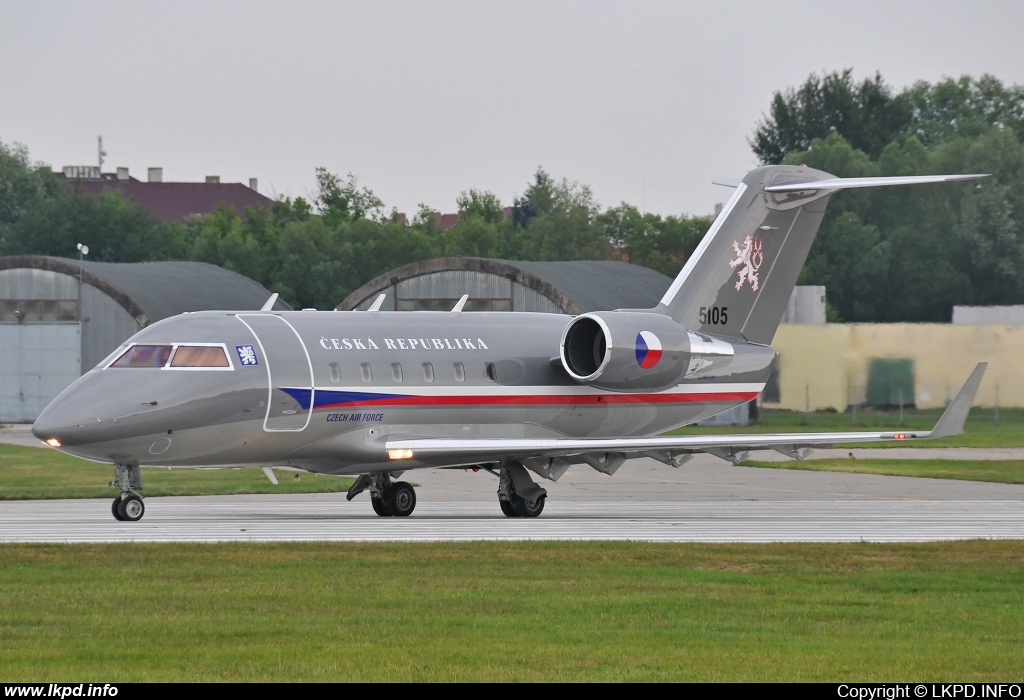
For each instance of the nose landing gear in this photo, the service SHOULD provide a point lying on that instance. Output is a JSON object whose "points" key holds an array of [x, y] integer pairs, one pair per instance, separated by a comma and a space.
{"points": [[128, 506]]}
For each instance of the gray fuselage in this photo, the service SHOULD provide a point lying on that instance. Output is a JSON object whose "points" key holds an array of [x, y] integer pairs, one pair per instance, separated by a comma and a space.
{"points": [[324, 389]]}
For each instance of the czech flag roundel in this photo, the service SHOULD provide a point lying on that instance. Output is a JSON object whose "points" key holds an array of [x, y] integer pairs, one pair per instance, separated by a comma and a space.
{"points": [[648, 349]]}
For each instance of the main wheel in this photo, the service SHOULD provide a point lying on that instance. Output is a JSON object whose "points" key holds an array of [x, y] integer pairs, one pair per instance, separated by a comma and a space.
{"points": [[523, 509], [131, 508], [380, 507], [508, 509], [402, 499], [115, 508]]}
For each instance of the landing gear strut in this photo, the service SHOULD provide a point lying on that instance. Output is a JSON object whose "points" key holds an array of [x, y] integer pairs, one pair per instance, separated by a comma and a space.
{"points": [[388, 498], [128, 505], [518, 495]]}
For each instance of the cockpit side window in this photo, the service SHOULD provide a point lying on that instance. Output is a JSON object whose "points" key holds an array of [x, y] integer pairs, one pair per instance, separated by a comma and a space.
{"points": [[176, 356], [143, 356], [199, 356]]}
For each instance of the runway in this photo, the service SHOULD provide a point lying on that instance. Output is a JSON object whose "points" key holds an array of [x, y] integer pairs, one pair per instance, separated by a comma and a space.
{"points": [[303, 519]]}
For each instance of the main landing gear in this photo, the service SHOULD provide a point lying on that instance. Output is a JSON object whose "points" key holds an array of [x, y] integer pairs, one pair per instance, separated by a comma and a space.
{"points": [[128, 505], [518, 495], [388, 498]]}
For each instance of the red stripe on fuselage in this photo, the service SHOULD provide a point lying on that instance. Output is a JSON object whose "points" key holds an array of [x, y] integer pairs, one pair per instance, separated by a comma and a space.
{"points": [[553, 400]]}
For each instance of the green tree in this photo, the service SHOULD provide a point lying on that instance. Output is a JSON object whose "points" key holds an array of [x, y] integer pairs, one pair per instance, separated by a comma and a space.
{"points": [[990, 227], [115, 230], [964, 108], [852, 261], [344, 200], [22, 184], [314, 267], [482, 204], [867, 115], [556, 221]]}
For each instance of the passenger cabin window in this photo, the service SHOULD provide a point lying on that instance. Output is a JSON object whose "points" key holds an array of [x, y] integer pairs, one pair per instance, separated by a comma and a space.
{"points": [[144, 356], [491, 371], [460, 372], [199, 356], [367, 374], [335, 371], [428, 372], [396, 371]]}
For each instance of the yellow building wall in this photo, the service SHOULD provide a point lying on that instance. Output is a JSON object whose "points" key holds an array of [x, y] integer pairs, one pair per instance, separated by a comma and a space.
{"points": [[812, 366], [827, 366]]}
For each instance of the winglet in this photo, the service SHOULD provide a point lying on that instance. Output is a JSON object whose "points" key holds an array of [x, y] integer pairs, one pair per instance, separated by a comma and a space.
{"points": [[952, 420], [269, 306]]}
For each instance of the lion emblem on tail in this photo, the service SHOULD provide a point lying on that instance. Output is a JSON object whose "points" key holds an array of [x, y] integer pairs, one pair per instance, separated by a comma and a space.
{"points": [[750, 256]]}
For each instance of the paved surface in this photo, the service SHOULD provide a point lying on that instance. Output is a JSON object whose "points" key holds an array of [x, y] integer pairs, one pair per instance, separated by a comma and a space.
{"points": [[18, 434], [293, 518], [705, 500]]}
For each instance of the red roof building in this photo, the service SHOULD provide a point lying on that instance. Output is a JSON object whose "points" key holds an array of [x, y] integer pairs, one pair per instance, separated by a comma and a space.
{"points": [[167, 201]]}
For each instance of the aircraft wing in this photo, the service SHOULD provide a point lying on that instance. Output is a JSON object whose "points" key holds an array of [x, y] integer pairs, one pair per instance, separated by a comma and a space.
{"points": [[673, 450]]}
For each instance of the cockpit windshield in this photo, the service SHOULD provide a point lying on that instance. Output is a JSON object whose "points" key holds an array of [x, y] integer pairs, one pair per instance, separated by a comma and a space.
{"points": [[144, 356], [199, 356], [174, 356]]}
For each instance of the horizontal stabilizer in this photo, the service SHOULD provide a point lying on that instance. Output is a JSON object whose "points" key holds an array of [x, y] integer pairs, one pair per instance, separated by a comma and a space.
{"points": [[843, 183], [733, 182]]}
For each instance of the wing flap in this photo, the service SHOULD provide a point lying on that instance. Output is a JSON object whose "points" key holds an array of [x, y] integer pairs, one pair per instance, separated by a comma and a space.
{"points": [[670, 448]]}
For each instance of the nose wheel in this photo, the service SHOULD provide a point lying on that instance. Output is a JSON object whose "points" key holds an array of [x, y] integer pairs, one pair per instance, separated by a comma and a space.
{"points": [[128, 506], [128, 509]]}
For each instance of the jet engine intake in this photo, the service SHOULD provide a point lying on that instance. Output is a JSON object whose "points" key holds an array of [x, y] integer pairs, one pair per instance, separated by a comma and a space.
{"points": [[632, 350]]}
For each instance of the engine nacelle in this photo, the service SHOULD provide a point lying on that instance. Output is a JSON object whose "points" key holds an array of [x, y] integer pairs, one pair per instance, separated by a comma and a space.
{"points": [[636, 351]]}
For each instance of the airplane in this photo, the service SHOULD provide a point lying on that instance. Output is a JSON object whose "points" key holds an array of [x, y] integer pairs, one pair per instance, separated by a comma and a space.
{"points": [[376, 394]]}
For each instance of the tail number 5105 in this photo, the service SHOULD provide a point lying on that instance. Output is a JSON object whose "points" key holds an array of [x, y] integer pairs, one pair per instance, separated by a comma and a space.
{"points": [[714, 315]]}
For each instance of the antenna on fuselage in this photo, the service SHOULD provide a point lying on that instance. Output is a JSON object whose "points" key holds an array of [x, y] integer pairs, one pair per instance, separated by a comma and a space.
{"points": [[269, 306], [457, 309], [377, 303]]}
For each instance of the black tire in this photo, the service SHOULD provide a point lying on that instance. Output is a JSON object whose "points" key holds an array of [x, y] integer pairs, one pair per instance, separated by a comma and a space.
{"points": [[523, 509], [402, 499], [132, 508], [380, 507], [115, 508], [508, 509]]}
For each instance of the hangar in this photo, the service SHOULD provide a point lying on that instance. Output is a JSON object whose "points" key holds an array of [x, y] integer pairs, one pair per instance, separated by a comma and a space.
{"points": [[570, 287], [61, 317]]}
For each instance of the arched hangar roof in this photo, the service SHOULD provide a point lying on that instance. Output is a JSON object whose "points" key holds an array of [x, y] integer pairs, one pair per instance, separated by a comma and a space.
{"points": [[151, 291], [573, 287]]}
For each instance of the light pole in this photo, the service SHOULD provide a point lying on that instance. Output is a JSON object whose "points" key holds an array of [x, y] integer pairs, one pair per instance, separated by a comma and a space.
{"points": [[83, 250]]}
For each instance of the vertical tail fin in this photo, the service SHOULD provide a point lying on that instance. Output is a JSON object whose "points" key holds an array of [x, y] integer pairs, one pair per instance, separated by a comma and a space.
{"points": [[739, 279]]}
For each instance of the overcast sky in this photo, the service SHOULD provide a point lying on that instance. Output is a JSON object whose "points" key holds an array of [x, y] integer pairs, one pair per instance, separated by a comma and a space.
{"points": [[645, 101]]}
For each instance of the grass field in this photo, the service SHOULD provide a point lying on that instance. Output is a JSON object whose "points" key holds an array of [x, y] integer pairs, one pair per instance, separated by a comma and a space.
{"points": [[1001, 472], [512, 612], [31, 472]]}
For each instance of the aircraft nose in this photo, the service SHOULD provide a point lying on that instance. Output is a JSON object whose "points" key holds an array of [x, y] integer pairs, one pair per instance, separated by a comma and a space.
{"points": [[81, 415], [55, 426]]}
